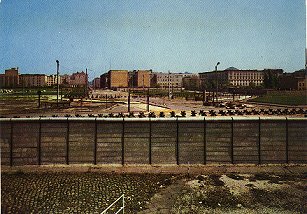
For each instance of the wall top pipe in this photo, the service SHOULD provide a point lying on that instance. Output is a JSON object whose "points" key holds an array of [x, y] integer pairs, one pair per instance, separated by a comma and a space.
{"points": [[172, 119]]}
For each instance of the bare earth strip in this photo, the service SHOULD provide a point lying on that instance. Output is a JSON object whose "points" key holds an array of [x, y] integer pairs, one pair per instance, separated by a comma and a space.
{"points": [[155, 189]]}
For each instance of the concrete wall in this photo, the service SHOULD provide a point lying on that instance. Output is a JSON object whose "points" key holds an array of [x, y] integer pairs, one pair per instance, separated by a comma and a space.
{"points": [[35, 141]]}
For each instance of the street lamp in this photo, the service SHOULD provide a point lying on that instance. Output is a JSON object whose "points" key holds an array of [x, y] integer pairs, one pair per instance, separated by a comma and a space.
{"points": [[216, 80], [57, 81]]}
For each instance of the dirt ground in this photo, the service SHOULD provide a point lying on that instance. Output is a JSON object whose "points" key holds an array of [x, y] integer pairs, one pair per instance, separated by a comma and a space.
{"points": [[28, 107], [211, 189]]}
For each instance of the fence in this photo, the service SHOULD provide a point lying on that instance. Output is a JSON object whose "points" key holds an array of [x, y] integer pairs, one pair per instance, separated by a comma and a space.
{"points": [[37, 141]]}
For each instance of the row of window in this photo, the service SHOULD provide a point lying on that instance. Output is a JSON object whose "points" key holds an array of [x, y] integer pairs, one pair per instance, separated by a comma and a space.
{"points": [[247, 78], [245, 83]]}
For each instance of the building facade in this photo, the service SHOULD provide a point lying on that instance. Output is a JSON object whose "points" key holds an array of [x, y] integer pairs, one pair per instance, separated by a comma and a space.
{"points": [[117, 79], [10, 78], [191, 83], [232, 77], [140, 78], [96, 83], [33, 80], [78, 79], [170, 80], [52, 80], [244, 78], [293, 81]]}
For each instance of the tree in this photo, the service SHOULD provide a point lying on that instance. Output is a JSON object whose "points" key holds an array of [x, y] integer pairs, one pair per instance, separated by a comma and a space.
{"points": [[270, 80]]}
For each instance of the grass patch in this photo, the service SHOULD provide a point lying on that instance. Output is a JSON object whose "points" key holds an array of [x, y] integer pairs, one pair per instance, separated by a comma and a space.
{"points": [[283, 99]]}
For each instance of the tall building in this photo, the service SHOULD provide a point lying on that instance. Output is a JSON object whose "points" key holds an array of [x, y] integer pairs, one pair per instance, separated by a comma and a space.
{"points": [[10, 79], [33, 80], [117, 79], [96, 83], [104, 80], [141, 78]]}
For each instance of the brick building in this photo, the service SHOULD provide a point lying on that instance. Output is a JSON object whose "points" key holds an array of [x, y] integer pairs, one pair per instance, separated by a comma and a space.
{"points": [[10, 79], [140, 78], [114, 79]]}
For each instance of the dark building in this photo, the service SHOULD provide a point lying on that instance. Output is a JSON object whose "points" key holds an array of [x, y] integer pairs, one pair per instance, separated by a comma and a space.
{"points": [[10, 79], [293, 81], [104, 81]]}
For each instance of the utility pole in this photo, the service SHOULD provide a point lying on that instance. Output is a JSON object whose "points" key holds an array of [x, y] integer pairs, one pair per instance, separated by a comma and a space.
{"points": [[57, 81], [143, 84], [217, 81], [148, 99], [86, 82], [128, 100], [169, 85], [39, 98]]}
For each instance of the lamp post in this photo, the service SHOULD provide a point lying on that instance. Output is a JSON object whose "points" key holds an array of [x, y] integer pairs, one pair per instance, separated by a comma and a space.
{"points": [[217, 88], [169, 85], [57, 82]]}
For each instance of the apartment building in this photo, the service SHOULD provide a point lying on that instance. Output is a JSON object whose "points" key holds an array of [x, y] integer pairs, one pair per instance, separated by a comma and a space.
{"points": [[52, 80], [140, 78], [33, 80], [10, 78], [170, 80]]}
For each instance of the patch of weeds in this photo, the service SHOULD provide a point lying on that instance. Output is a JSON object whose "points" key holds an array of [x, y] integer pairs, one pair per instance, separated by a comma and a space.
{"points": [[219, 197], [236, 177], [279, 199], [256, 177], [19, 173], [250, 185], [215, 180], [276, 179], [201, 178], [198, 202]]}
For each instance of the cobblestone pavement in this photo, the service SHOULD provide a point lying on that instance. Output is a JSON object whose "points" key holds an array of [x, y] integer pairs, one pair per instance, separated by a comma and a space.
{"points": [[59, 192]]}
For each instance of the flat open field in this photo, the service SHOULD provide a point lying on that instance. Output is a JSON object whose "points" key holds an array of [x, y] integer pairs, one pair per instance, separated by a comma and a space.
{"points": [[92, 192], [117, 102], [284, 98]]}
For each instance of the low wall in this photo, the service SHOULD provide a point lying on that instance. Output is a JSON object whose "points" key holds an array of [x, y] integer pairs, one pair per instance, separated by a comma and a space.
{"points": [[43, 141]]}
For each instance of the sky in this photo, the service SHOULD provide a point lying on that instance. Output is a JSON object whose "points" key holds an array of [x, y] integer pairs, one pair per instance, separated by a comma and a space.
{"points": [[162, 35]]}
